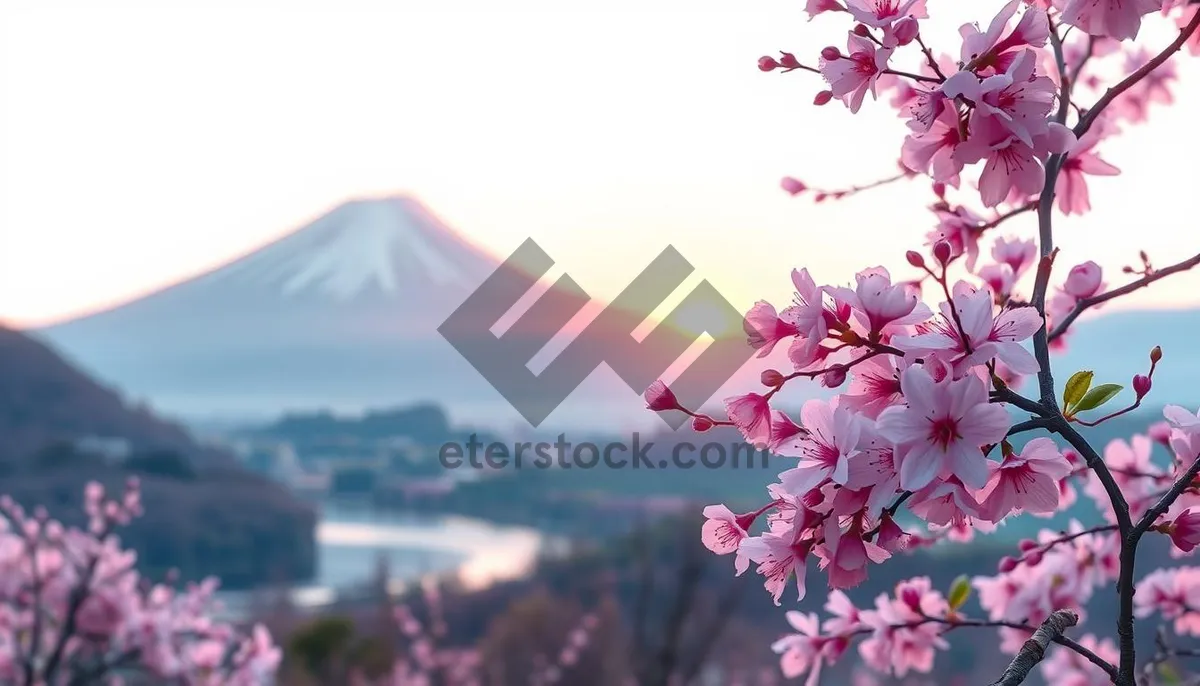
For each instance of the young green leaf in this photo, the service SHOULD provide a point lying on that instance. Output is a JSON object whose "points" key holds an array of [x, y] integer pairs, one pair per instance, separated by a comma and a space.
{"points": [[960, 591], [1076, 387], [1098, 396]]}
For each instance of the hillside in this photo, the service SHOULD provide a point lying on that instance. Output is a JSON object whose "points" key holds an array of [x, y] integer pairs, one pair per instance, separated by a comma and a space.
{"points": [[205, 514]]}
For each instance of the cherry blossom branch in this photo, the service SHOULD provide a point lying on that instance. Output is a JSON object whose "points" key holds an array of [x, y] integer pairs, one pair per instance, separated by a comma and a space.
{"points": [[1029, 425], [1064, 96], [929, 58], [822, 195], [1086, 303], [1164, 503], [1034, 649], [1129, 81], [1059, 425]]}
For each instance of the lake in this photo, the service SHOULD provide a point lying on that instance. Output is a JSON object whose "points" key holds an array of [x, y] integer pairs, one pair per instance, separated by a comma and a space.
{"points": [[352, 538]]}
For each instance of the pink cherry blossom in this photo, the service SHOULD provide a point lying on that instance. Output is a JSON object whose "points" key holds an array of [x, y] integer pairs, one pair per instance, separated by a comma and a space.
{"points": [[764, 328], [1071, 187], [982, 337], [751, 414], [851, 75], [1025, 481], [1120, 19], [942, 428], [825, 451], [659, 397], [723, 533], [1185, 530]]}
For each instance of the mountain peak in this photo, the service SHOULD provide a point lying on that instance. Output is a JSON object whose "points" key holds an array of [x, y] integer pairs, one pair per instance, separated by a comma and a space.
{"points": [[384, 244]]}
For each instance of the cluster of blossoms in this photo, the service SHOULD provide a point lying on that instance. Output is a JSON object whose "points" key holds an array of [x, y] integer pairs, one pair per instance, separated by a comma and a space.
{"points": [[922, 418], [423, 661], [74, 610]]}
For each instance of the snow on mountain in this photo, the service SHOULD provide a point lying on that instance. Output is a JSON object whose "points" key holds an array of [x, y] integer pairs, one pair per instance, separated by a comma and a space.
{"points": [[386, 244]]}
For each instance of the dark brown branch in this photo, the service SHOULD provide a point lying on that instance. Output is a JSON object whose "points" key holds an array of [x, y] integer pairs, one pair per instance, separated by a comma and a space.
{"points": [[1129, 81], [1086, 303], [1035, 648]]}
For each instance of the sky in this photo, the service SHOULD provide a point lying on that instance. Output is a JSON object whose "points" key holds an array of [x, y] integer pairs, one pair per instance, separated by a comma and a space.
{"points": [[145, 141]]}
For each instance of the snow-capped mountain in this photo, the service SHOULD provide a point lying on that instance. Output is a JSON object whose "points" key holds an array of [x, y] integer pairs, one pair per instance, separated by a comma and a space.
{"points": [[341, 313]]}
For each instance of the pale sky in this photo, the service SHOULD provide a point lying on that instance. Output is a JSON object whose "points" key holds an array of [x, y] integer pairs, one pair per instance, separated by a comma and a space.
{"points": [[143, 141]]}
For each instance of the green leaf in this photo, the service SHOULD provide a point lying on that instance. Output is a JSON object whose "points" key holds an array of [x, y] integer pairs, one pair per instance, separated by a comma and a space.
{"points": [[960, 591], [1076, 387], [1098, 396], [1168, 674]]}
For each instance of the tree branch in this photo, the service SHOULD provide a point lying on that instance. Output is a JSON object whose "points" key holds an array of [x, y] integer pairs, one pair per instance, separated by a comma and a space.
{"points": [[1128, 82], [1035, 648], [1086, 303]]}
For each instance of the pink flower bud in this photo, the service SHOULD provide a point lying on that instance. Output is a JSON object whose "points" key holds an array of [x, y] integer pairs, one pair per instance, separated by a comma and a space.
{"points": [[1034, 559], [939, 189], [767, 63], [914, 258], [660, 398], [835, 377], [1026, 545], [1141, 385], [793, 186], [942, 252], [831, 53], [1083, 281], [905, 31], [771, 378], [788, 61], [1007, 564], [861, 30], [1156, 354], [701, 423]]}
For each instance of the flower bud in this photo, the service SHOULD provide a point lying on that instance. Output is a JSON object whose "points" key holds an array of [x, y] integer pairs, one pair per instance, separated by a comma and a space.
{"points": [[823, 98], [1034, 559], [830, 53], [701, 423], [771, 378], [905, 31], [835, 377], [767, 63], [914, 258], [943, 252], [788, 60], [861, 30], [659, 398], [1007, 564], [1156, 354], [939, 189], [1141, 385], [792, 186], [1083, 281], [1027, 544]]}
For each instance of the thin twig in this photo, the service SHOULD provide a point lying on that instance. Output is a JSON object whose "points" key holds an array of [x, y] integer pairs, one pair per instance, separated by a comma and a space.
{"points": [[1085, 304]]}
